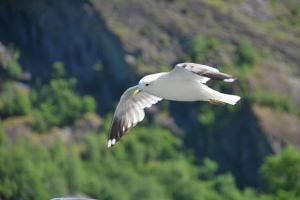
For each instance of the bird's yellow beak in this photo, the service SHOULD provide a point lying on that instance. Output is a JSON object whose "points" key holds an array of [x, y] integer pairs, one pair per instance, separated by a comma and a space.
{"points": [[136, 92]]}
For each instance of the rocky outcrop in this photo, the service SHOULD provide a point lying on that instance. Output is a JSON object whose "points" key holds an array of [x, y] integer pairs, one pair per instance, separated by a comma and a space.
{"points": [[69, 31]]}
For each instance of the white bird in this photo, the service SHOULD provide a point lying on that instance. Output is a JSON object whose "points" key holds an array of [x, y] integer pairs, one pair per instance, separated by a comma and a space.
{"points": [[186, 82]]}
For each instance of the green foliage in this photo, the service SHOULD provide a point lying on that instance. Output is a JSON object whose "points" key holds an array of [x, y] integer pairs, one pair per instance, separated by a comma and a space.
{"points": [[20, 178], [274, 100], [221, 5], [149, 164], [88, 104], [200, 47], [14, 100], [247, 54], [58, 70], [1, 133], [207, 117], [57, 103], [208, 170], [291, 17], [281, 174], [209, 114], [11, 67]]}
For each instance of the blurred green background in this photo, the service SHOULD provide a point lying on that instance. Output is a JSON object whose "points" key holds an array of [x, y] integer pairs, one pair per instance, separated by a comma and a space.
{"points": [[64, 65]]}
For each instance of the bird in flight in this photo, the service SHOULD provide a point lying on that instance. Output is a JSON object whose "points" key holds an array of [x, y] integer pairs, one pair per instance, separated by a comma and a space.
{"points": [[186, 82]]}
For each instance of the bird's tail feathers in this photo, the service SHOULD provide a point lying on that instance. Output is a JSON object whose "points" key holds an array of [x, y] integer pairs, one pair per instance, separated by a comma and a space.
{"points": [[220, 98], [227, 98]]}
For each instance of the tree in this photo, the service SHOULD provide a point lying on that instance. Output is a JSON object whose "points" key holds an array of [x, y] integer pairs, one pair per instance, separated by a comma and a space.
{"points": [[281, 173], [58, 103]]}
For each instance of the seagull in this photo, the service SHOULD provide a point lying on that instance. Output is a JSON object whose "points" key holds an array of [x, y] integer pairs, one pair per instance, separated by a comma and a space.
{"points": [[186, 82]]}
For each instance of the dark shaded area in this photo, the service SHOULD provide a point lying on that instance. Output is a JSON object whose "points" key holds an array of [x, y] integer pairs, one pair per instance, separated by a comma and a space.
{"points": [[234, 141], [45, 32]]}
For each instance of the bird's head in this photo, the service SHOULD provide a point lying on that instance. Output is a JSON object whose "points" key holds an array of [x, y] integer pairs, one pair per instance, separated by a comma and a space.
{"points": [[146, 83]]}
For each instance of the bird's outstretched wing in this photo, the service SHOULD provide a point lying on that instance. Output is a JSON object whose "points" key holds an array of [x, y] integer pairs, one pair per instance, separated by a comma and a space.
{"points": [[204, 72], [129, 112]]}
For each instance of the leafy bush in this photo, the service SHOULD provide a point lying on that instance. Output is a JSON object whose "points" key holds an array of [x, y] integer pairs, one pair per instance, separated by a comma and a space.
{"points": [[9, 63], [149, 164], [247, 54], [274, 100], [14, 69], [14, 100], [200, 47], [20, 178], [57, 103], [210, 114], [281, 174]]}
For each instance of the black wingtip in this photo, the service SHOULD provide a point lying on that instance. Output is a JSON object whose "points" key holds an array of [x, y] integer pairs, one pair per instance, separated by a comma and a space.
{"points": [[117, 131]]}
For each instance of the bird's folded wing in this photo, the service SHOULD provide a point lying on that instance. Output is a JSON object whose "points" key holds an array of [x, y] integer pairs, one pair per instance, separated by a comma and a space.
{"points": [[204, 72], [129, 112]]}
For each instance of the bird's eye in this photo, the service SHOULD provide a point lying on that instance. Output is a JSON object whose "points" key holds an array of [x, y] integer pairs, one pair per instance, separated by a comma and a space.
{"points": [[147, 84]]}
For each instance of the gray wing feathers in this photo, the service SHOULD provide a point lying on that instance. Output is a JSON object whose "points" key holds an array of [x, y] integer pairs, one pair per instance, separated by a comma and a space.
{"points": [[204, 72], [129, 112]]}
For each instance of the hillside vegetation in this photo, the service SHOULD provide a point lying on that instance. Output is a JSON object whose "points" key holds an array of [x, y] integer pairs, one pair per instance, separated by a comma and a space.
{"points": [[64, 65]]}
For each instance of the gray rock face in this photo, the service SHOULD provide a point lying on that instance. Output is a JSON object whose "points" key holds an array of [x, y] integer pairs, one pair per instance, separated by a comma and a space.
{"points": [[46, 32]]}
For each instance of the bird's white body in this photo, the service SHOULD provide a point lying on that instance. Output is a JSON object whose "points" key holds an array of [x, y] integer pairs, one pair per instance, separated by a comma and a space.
{"points": [[187, 87], [183, 92]]}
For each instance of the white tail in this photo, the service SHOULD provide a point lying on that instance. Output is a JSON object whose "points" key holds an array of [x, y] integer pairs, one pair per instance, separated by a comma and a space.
{"points": [[230, 99], [218, 96]]}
